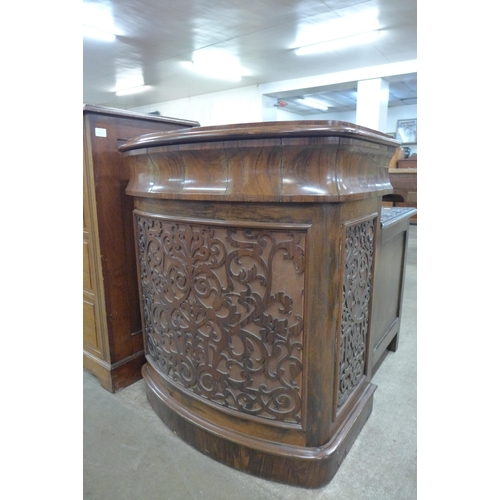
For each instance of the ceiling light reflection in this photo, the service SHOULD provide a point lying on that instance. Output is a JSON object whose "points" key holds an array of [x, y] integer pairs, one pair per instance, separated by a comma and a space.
{"points": [[97, 34], [339, 43], [312, 103], [314, 190], [216, 63], [132, 90], [129, 82], [98, 21], [348, 25]]}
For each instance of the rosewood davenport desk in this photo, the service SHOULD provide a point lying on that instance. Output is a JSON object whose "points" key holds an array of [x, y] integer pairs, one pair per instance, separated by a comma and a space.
{"points": [[255, 252]]}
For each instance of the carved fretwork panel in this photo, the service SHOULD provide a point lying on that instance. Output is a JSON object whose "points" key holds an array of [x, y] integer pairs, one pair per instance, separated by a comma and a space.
{"points": [[357, 289], [223, 312]]}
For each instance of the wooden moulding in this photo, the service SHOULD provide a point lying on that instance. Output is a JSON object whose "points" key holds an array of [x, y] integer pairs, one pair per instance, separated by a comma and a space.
{"points": [[117, 376], [275, 161], [255, 252], [312, 467]]}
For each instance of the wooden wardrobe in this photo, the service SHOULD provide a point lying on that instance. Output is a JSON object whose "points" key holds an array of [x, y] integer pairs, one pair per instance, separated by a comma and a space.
{"points": [[113, 347]]}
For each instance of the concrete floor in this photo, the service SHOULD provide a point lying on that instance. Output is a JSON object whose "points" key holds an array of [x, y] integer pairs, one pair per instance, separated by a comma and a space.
{"points": [[129, 454]]}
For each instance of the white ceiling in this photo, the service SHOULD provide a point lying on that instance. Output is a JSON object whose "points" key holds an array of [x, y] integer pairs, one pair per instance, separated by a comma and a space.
{"points": [[158, 36]]}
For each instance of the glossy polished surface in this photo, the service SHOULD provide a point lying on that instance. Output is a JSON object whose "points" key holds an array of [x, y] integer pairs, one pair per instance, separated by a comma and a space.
{"points": [[261, 130], [112, 344], [273, 161], [255, 248]]}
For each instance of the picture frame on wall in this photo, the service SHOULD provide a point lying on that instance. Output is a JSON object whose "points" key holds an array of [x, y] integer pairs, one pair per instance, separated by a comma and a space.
{"points": [[406, 131]]}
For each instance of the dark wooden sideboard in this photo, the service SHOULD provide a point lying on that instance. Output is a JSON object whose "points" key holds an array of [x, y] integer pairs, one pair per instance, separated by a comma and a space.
{"points": [[112, 334], [390, 265], [256, 248]]}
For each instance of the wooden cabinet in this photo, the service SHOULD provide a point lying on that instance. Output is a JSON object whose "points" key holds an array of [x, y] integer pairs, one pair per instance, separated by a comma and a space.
{"points": [[256, 245], [112, 332], [389, 275], [407, 162]]}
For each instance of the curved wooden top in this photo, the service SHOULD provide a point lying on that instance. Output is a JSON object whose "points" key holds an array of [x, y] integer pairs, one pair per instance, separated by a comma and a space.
{"points": [[300, 161], [260, 130]]}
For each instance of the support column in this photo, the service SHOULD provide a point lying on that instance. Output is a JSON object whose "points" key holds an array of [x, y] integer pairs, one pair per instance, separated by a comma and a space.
{"points": [[371, 109]]}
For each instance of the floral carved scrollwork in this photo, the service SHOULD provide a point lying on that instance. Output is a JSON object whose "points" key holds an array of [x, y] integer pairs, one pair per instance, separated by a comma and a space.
{"points": [[223, 312], [357, 289]]}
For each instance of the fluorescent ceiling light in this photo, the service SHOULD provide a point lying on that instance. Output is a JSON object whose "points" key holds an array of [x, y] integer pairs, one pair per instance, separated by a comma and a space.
{"points": [[98, 34], [215, 71], [338, 43], [216, 63], [129, 81], [98, 21], [350, 23], [311, 103], [132, 90]]}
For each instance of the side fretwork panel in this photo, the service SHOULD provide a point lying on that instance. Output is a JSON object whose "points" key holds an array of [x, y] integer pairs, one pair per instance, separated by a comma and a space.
{"points": [[357, 290]]}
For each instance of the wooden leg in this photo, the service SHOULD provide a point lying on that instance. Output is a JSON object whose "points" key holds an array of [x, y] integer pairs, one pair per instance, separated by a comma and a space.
{"points": [[393, 346]]}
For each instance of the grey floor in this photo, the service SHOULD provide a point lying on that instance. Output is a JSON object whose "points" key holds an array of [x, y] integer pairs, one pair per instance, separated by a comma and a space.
{"points": [[128, 453]]}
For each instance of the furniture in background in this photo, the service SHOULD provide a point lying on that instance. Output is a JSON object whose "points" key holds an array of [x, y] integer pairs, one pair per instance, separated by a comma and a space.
{"points": [[404, 182], [390, 264], [405, 163], [112, 334], [256, 246]]}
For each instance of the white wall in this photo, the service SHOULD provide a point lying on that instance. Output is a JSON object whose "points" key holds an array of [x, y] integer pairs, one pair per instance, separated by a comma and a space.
{"points": [[346, 116], [246, 105], [393, 115], [243, 105]]}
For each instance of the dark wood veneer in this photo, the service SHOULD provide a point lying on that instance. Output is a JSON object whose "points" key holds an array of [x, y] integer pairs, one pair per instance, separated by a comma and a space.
{"points": [[389, 277], [256, 248], [112, 340]]}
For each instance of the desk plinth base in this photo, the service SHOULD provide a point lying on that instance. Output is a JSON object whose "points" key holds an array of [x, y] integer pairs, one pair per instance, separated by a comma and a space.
{"points": [[293, 465]]}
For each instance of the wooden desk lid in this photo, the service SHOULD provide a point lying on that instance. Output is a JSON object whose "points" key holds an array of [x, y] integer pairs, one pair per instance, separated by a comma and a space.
{"points": [[260, 130]]}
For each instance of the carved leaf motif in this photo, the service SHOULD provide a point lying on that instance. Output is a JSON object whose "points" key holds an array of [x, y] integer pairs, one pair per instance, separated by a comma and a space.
{"points": [[216, 321]]}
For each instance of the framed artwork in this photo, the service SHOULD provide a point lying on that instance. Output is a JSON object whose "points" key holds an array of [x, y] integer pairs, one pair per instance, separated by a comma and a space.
{"points": [[406, 131]]}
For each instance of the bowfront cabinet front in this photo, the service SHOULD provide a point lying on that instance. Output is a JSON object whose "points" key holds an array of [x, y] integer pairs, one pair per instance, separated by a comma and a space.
{"points": [[256, 247], [112, 333]]}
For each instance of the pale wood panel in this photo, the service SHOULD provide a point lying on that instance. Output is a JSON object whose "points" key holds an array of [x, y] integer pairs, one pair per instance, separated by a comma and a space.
{"points": [[87, 275], [89, 325]]}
